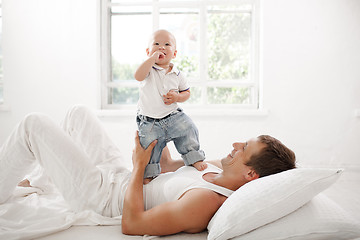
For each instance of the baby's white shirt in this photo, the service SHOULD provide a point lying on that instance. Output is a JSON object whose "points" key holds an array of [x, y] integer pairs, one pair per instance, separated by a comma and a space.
{"points": [[154, 86]]}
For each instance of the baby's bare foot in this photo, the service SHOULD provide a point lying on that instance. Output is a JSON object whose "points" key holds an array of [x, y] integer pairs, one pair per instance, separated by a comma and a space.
{"points": [[200, 166]]}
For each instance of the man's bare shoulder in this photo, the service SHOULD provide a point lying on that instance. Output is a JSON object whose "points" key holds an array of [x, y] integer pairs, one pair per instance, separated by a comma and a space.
{"points": [[198, 207]]}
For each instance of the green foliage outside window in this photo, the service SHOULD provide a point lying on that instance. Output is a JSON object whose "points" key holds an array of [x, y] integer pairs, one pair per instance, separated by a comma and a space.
{"points": [[186, 64], [122, 71], [228, 56], [124, 95], [228, 38], [234, 95]]}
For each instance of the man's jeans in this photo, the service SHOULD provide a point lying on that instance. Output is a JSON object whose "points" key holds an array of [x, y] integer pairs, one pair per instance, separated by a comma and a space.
{"points": [[176, 127]]}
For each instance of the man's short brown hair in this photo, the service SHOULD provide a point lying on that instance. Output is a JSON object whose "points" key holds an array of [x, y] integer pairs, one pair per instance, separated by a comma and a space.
{"points": [[275, 157]]}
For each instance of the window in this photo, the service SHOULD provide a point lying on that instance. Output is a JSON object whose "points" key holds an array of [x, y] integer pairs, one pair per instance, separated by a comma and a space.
{"points": [[1, 69], [216, 42]]}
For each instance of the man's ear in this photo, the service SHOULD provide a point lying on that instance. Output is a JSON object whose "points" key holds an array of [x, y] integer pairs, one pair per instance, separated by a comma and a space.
{"points": [[252, 175]]}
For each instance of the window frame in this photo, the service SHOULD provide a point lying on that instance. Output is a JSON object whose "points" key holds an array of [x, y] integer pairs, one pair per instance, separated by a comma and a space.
{"points": [[254, 71]]}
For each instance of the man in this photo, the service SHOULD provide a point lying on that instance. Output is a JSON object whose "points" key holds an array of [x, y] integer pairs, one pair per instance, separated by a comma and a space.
{"points": [[86, 167], [195, 208]]}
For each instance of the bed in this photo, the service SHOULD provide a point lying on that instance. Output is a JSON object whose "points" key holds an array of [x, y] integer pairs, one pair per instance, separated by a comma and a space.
{"points": [[307, 203]]}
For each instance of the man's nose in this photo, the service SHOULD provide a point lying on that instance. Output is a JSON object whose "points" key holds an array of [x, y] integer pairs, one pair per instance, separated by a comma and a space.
{"points": [[238, 145]]}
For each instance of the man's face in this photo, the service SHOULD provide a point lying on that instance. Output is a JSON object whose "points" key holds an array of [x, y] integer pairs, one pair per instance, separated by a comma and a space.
{"points": [[242, 151]]}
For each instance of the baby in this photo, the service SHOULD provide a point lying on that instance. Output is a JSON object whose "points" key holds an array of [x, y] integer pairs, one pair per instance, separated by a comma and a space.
{"points": [[159, 117]]}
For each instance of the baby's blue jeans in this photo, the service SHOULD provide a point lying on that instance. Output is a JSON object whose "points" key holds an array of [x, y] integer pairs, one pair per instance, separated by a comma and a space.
{"points": [[176, 127]]}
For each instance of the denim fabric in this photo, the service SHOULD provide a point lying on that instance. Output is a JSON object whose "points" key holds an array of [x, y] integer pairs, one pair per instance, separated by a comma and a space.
{"points": [[176, 127]]}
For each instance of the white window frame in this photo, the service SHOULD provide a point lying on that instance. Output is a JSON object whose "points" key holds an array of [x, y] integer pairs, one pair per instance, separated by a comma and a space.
{"points": [[254, 72]]}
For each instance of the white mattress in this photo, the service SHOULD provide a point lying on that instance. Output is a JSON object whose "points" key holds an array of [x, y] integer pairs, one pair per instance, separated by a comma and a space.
{"points": [[345, 192]]}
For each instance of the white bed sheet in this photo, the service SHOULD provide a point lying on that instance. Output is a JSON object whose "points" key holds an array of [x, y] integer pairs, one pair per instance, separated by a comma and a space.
{"points": [[345, 192]]}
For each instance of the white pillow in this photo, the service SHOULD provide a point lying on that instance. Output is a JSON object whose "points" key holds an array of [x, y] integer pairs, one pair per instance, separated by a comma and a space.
{"points": [[267, 199], [321, 218]]}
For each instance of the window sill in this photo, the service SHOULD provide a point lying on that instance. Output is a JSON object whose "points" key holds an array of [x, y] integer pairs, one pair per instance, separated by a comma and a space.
{"points": [[191, 111]]}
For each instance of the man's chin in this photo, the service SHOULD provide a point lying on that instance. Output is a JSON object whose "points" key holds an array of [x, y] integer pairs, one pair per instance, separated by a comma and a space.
{"points": [[224, 160]]}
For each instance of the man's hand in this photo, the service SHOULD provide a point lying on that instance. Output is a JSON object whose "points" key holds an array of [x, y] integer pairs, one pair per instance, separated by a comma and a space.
{"points": [[171, 97], [141, 156]]}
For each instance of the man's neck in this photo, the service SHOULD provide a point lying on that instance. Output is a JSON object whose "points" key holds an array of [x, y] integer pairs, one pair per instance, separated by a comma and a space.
{"points": [[222, 180]]}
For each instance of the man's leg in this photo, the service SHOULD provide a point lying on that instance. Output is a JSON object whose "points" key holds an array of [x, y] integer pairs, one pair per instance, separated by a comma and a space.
{"points": [[83, 126], [38, 138]]}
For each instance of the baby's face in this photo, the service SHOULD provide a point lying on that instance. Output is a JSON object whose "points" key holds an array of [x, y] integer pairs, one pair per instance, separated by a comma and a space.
{"points": [[165, 43]]}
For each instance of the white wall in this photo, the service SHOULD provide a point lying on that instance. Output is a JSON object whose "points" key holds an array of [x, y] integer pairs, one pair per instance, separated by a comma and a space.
{"points": [[310, 56], [50, 57]]}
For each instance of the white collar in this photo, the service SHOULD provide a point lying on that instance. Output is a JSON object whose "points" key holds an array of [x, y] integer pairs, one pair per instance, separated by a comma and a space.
{"points": [[174, 69]]}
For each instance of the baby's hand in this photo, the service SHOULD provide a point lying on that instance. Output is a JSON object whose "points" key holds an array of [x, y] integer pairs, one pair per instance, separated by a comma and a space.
{"points": [[171, 97], [158, 55]]}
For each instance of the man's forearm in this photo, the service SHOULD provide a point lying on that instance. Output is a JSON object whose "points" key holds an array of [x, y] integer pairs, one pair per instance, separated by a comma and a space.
{"points": [[133, 201], [133, 209], [134, 194]]}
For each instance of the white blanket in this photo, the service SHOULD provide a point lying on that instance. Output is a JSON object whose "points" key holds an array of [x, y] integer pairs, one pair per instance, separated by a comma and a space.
{"points": [[33, 213]]}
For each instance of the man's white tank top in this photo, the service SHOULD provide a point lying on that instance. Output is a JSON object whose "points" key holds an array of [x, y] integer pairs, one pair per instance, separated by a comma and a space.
{"points": [[171, 186]]}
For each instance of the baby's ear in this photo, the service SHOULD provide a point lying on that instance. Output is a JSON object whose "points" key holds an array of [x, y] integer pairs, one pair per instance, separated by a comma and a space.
{"points": [[175, 54], [147, 52]]}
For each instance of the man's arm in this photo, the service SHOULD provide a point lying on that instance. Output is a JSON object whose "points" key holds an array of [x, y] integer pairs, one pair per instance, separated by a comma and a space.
{"points": [[191, 213], [171, 165], [167, 163]]}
